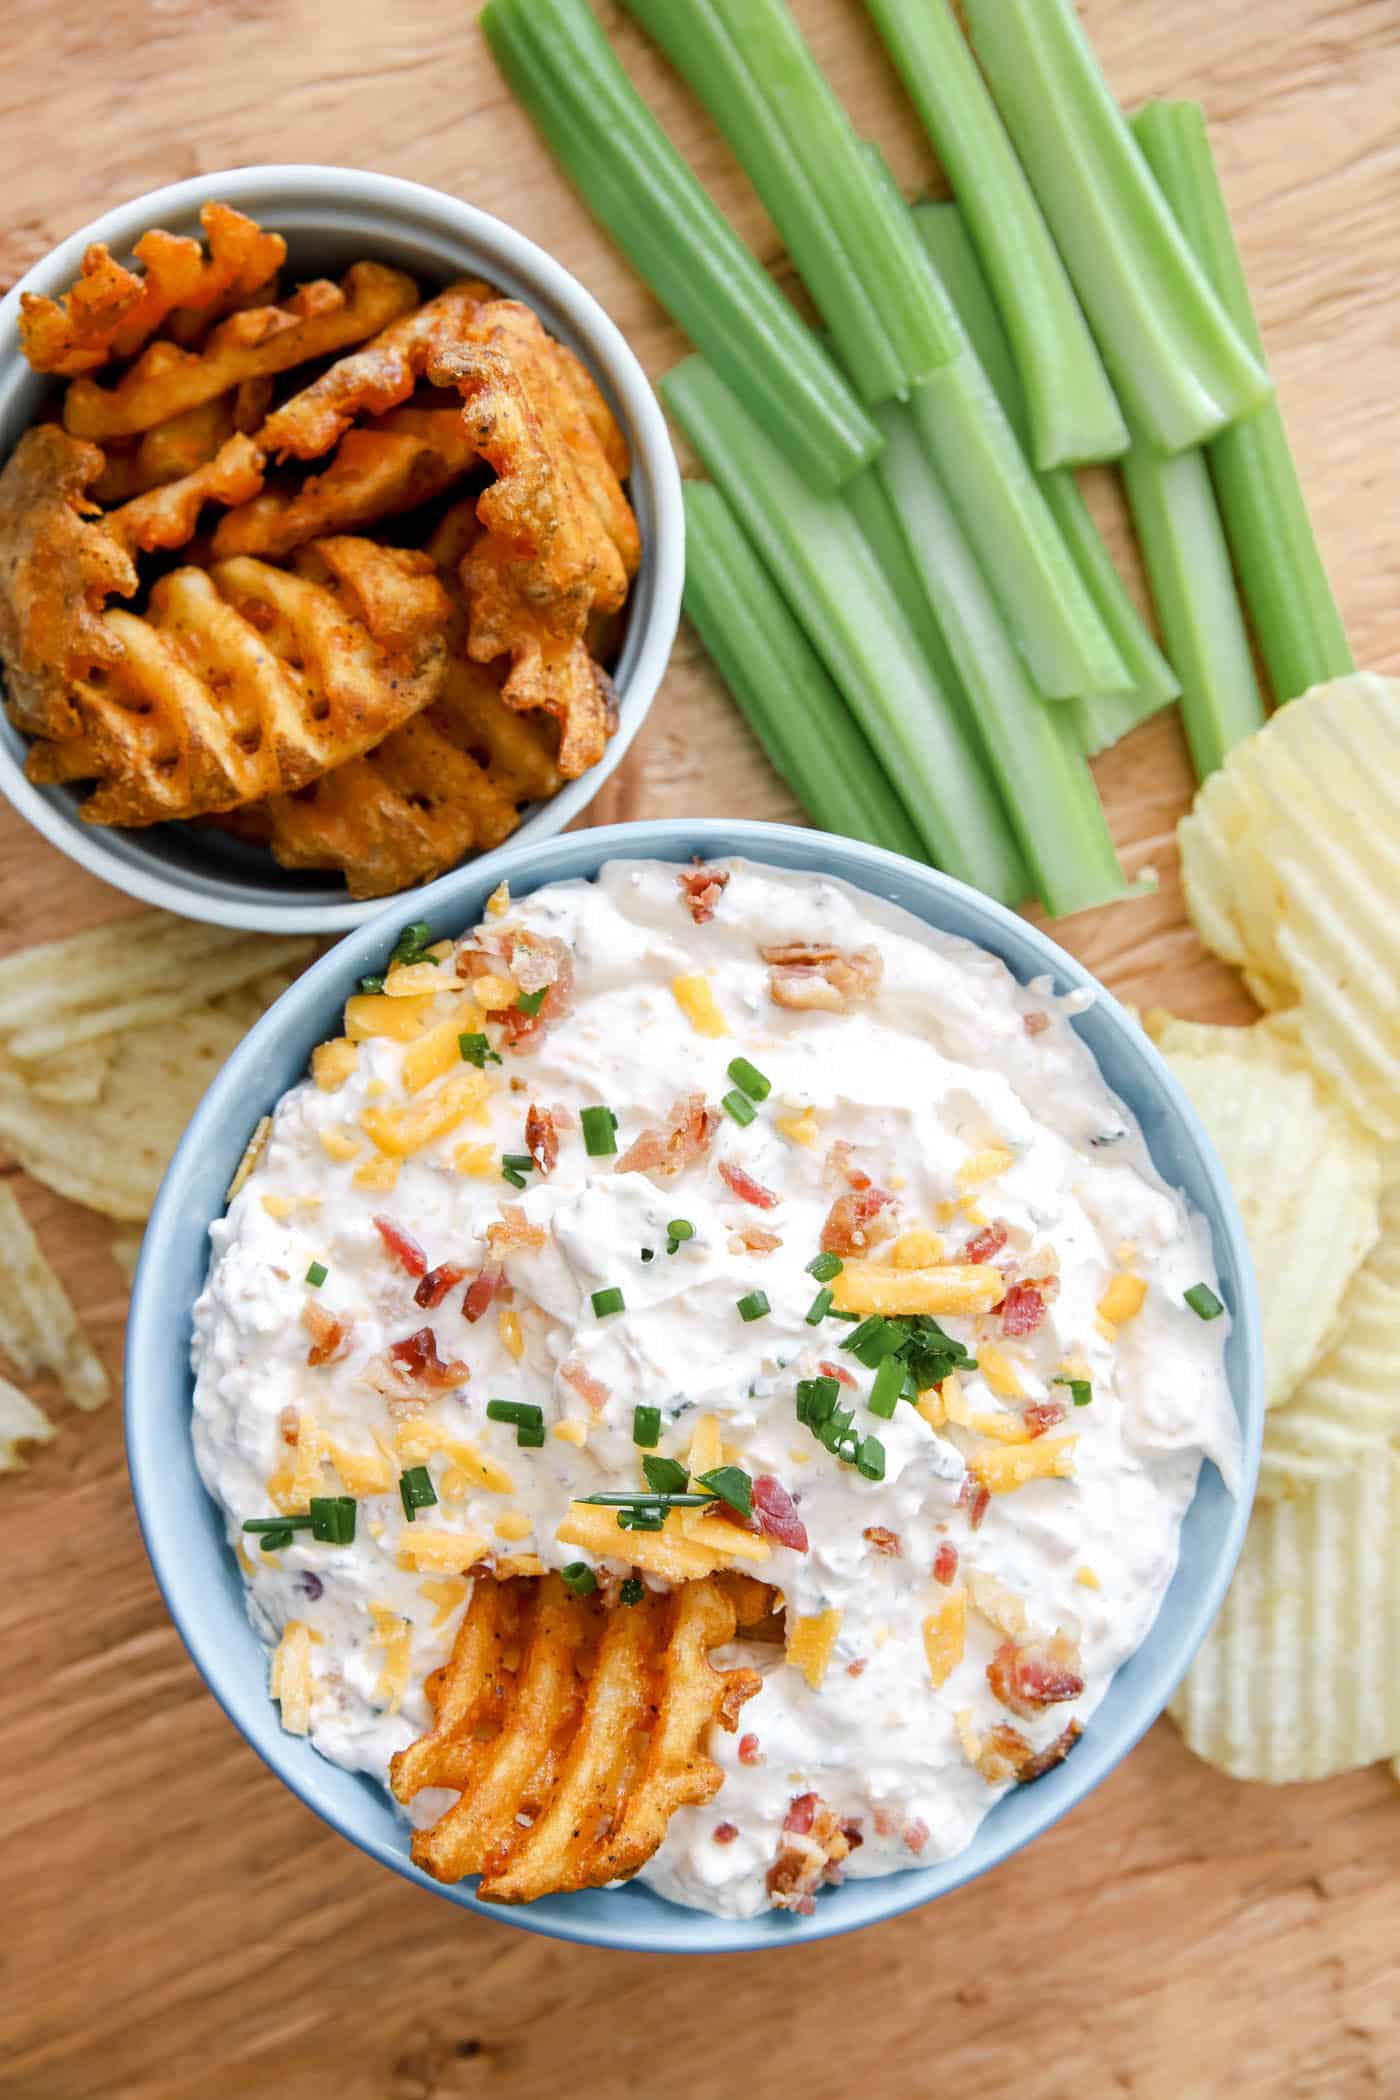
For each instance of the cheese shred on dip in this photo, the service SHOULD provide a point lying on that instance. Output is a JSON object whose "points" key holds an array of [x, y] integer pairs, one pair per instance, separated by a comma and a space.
{"points": [[639, 1144]]}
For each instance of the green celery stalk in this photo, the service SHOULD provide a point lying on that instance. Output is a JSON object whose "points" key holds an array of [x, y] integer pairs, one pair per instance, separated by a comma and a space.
{"points": [[780, 684], [1072, 412], [816, 130], [1181, 369], [1295, 616], [715, 67], [1101, 718], [562, 69], [821, 563], [865, 496], [1033, 749]]}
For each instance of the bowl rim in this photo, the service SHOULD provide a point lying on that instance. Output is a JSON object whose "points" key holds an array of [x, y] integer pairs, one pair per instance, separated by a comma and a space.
{"points": [[225, 1108], [122, 859]]}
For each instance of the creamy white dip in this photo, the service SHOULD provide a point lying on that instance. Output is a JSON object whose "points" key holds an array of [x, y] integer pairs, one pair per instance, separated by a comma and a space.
{"points": [[939, 1069]]}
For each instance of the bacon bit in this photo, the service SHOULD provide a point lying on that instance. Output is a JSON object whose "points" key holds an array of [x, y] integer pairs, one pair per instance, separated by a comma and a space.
{"points": [[975, 1499], [801, 1813], [882, 1539], [584, 1383], [666, 1151], [757, 1240], [848, 1222], [805, 977], [739, 1685], [481, 1290], [437, 1283], [1044, 1415], [945, 1564], [1029, 1676], [538, 963], [417, 1356], [1003, 1754], [328, 1335], [289, 1424], [725, 1833], [812, 1848], [852, 1832], [884, 1823], [746, 1188], [702, 889], [1053, 1754], [916, 1835], [1036, 1023], [836, 1371], [986, 1243], [777, 1514], [1022, 1309], [748, 1749], [542, 1138], [857, 1668], [513, 1229], [838, 1166], [404, 1248]]}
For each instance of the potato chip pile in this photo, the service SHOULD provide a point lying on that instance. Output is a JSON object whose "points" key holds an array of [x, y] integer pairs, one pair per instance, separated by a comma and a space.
{"points": [[1290, 858], [372, 548]]}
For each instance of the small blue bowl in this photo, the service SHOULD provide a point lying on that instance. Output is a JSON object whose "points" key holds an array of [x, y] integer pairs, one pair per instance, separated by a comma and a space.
{"points": [[184, 1532]]}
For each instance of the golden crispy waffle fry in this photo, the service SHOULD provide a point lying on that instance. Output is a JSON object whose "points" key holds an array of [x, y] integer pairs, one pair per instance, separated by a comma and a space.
{"points": [[39, 1330], [403, 459], [572, 1733], [177, 447], [21, 1422], [244, 681], [58, 567], [374, 379], [165, 380], [111, 311], [167, 516], [1345, 1411], [1300, 1675]]}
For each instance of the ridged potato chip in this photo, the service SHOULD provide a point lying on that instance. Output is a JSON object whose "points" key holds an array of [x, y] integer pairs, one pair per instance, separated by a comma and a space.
{"points": [[1291, 864], [39, 1330], [1299, 1677], [21, 1422], [1306, 1177]]}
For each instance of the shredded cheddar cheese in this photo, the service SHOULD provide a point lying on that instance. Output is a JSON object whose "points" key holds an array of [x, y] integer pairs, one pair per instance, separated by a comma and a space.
{"points": [[801, 1129], [1002, 1468], [877, 1287], [290, 1679], [414, 980], [571, 1432], [518, 1564], [332, 1063], [917, 1249], [508, 1326], [293, 1483], [968, 1737], [447, 1593], [513, 1525], [492, 993], [376, 1014], [479, 1160], [667, 1553], [361, 1472], [377, 1174], [1002, 1428], [278, 1206], [438, 1552], [400, 1133], [498, 903], [1123, 1300], [437, 1050], [945, 1636], [696, 1000], [420, 1438], [1001, 1371], [810, 1643], [956, 1406], [985, 1165], [395, 1636], [1087, 1579], [337, 1142]]}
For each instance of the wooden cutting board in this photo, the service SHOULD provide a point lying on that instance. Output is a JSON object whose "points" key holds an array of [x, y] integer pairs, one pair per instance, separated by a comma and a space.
{"points": [[175, 1922]]}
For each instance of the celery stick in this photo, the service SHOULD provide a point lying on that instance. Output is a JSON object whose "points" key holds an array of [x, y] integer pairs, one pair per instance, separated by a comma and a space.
{"points": [[866, 498], [819, 560], [1181, 369], [1102, 718], [1193, 588], [562, 69], [1296, 621], [713, 64], [1033, 749], [779, 682], [1073, 414], [816, 130]]}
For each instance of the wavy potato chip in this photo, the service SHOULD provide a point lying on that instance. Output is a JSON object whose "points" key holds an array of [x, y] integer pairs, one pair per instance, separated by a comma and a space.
{"points": [[39, 1330], [1307, 1181], [1300, 1675], [21, 1422]]}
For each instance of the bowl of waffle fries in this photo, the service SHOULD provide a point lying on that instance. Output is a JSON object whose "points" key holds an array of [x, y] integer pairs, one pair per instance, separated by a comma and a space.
{"points": [[340, 541], [527, 1624]]}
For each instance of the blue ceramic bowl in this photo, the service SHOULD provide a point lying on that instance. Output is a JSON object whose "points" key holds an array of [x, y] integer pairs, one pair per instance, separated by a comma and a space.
{"points": [[184, 1531]]}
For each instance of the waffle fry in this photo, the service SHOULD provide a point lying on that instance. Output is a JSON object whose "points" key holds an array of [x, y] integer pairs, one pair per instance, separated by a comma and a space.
{"points": [[376, 378], [166, 379], [177, 447], [245, 681], [597, 1763], [111, 311], [402, 459], [167, 516]]}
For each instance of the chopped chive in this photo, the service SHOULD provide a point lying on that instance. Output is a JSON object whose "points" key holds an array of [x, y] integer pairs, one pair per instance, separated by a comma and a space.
{"points": [[825, 1266], [416, 1491], [333, 1519], [754, 1083], [681, 1229], [889, 1383], [578, 1577], [739, 1106], [523, 1162], [667, 1476], [632, 1591], [870, 1459], [609, 1301], [530, 1436], [730, 1484], [1080, 1390], [816, 1397], [476, 1050], [874, 1339], [818, 1309], [646, 1426], [643, 1498], [274, 1541], [1203, 1302], [520, 1412], [639, 1517], [269, 1524], [412, 941], [648, 1254], [599, 1127], [516, 1180], [372, 985], [531, 1002], [317, 1274], [754, 1305]]}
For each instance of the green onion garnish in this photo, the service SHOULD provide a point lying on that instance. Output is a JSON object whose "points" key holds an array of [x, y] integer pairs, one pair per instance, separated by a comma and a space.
{"points": [[317, 1274], [818, 1309], [754, 1305], [333, 1519], [1080, 1390], [889, 1383], [870, 1459], [265, 1525], [648, 1254], [477, 1051], [609, 1301], [632, 1591], [412, 940], [579, 1577], [516, 1180], [531, 1002], [599, 1126], [640, 1517], [1203, 1302], [757, 1085], [679, 1229], [642, 1498], [523, 1162], [667, 1476], [646, 1426], [371, 985], [739, 1106], [528, 1421], [416, 1491], [825, 1266], [730, 1484], [874, 1339], [816, 1397]]}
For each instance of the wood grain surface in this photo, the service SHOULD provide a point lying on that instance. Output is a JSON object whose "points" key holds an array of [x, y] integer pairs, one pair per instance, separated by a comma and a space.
{"points": [[174, 1922]]}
